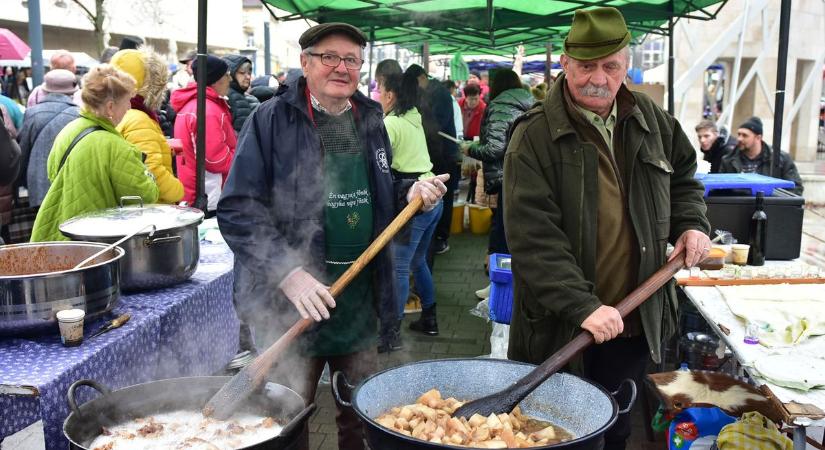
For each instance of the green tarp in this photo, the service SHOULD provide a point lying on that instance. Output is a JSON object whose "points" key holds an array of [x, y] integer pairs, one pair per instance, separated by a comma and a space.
{"points": [[485, 26]]}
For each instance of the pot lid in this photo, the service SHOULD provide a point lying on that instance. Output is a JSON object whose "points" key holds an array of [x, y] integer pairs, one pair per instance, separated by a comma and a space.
{"points": [[120, 221]]}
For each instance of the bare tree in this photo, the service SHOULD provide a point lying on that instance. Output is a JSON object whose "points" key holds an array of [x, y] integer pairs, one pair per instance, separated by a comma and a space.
{"points": [[97, 19]]}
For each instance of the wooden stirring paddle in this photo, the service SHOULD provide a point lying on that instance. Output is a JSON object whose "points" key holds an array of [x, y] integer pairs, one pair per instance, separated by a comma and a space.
{"points": [[505, 401], [235, 391]]}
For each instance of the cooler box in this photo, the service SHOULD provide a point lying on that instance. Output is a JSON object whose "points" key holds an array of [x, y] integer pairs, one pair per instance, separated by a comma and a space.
{"points": [[748, 181], [501, 288], [784, 210]]}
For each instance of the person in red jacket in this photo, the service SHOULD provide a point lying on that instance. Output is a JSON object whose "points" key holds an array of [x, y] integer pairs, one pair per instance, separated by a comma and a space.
{"points": [[472, 110], [220, 135]]}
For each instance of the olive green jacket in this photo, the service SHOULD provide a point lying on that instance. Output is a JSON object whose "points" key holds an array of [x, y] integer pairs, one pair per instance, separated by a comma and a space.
{"points": [[550, 198]]}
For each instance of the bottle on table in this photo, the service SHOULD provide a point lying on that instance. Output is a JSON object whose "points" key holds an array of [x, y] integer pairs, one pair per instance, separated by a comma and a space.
{"points": [[758, 233]]}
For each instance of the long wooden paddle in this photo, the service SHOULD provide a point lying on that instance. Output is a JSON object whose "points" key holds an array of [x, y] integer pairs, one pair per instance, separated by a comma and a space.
{"points": [[504, 401], [235, 391]]}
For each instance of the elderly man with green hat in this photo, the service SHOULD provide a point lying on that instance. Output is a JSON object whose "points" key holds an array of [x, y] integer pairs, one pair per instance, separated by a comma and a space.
{"points": [[597, 181]]}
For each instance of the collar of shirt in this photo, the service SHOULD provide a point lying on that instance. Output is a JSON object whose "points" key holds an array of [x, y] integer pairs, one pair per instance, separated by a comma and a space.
{"points": [[597, 120], [605, 127], [318, 107]]}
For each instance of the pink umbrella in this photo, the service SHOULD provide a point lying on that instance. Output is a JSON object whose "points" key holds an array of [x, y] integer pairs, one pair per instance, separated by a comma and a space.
{"points": [[11, 46]]}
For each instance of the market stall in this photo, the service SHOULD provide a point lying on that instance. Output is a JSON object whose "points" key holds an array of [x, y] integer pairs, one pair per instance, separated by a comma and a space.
{"points": [[787, 356], [163, 339]]}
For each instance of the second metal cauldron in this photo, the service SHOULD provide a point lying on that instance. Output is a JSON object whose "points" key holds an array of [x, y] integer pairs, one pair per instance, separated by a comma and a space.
{"points": [[577, 405]]}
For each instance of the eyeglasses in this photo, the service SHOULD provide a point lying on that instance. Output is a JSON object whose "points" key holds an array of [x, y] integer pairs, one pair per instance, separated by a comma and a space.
{"points": [[330, 60]]}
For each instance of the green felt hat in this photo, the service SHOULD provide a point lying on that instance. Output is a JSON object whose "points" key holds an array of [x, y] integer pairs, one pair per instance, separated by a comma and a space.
{"points": [[596, 33]]}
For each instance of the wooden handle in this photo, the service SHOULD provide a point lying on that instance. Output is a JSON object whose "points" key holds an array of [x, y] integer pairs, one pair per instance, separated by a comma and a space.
{"points": [[651, 285], [259, 368], [746, 281], [120, 321], [377, 245], [584, 339]]}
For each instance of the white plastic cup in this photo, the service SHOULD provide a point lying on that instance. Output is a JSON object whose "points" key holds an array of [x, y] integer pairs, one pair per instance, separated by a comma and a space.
{"points": [[71, 326], [740, 253]]}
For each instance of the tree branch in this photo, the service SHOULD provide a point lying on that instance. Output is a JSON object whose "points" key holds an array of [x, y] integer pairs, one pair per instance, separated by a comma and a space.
{"points": [[92, 17]]}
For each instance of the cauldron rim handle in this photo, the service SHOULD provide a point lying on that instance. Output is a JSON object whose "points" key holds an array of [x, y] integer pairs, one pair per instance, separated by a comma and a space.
{"points": [[84, 382], [337, 378], [631, 401]]}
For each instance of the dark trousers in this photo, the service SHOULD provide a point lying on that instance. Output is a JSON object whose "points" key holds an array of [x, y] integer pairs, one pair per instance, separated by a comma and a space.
{"points": [[498, 241], [356, 367], [609, 364], [442, 230]]}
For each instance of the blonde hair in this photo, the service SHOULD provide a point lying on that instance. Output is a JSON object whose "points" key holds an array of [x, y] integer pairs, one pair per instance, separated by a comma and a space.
{"points": [[104, 83]]}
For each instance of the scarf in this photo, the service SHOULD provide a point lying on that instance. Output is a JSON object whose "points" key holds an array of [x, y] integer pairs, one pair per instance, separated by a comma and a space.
{"points": [[138, 104]]}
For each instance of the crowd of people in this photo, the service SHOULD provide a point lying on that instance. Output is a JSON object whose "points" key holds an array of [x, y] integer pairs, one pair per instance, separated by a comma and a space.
{"points": [[303, 169]]}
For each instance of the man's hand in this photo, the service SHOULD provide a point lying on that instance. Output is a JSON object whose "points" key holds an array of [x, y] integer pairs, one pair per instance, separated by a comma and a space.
{"points": [[696, 246], [430, 189], [605, 323], [465, 147], [307, 294]]}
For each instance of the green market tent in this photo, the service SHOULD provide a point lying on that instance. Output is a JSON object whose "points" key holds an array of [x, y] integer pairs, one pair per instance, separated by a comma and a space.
{"points": [[485, 26]]}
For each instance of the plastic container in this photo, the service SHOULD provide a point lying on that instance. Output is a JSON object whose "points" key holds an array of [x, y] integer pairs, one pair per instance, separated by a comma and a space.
{"points": [[752, 181], [480, 219], [457, 222], [501, 288]]}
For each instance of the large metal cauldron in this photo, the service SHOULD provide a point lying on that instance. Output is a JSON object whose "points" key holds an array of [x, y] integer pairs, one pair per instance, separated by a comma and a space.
{"points": [[84, 423], [162, 256], [37, 281], [579, 406]]}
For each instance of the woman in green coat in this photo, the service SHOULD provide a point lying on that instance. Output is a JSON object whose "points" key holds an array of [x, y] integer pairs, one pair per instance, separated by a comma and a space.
{"points": [[101, 167]]}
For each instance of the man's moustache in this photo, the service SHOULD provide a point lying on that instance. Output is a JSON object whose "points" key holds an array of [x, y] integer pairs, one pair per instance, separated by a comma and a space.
{"points": [[592, 90]]}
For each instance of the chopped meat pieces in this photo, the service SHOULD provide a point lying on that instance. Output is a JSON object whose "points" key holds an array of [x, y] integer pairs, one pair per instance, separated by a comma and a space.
{"points": [[429, 419], [150, 428]]}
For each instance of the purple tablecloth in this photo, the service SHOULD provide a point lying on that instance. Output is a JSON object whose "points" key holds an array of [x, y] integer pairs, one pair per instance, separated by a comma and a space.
{"points": [[188, 330]]}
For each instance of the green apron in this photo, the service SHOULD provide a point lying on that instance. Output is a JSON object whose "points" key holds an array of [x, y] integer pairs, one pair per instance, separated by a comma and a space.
{"points": [[348, 227]]}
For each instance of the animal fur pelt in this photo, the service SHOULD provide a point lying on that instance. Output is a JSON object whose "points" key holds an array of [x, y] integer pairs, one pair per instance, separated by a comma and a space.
{"points": [[684, 389]]}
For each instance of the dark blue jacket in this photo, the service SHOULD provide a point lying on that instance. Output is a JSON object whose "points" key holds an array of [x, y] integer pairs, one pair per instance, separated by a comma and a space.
{"points": [[271, 211]]}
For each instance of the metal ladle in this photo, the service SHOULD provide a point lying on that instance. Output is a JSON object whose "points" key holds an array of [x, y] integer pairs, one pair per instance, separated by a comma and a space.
{"points": [[120, 241]]}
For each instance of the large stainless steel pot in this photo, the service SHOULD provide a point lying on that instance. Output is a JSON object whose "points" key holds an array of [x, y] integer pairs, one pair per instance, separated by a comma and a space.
{"points": [[154, 259], [84, 423], [577, 405], [37, 280]]}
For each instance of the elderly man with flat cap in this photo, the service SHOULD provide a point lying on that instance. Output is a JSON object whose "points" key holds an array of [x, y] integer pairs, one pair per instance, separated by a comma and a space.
{"points": [[597, 181], [310, 188]]}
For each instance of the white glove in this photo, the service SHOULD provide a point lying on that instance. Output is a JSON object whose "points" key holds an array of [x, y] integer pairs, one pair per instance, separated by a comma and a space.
{"points": [[307, 294], [430, 189]]}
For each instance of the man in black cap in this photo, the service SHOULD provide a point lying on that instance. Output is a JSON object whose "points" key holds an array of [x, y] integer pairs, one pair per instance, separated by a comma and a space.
{"points": [[310, 188], [597, 181], [756, 156]]}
